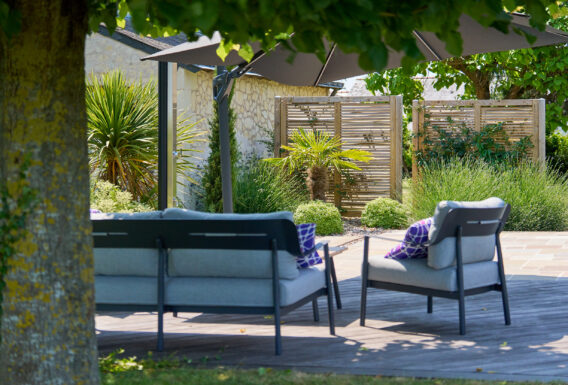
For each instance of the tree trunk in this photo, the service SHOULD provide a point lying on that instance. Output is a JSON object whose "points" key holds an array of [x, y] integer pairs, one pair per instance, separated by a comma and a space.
{"points": [[317, 181], [47, 324]]}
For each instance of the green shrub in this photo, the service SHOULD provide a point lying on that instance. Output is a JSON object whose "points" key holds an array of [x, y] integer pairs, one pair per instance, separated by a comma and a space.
{"points": [[538, 195], [557, 152], [325, 215], [109, 198], [490, 144], [385, 213], [263, 188]]}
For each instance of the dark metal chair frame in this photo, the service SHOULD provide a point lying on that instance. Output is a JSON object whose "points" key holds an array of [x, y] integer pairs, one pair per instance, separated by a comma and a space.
{"points": [[461, 222], [270, 234]]}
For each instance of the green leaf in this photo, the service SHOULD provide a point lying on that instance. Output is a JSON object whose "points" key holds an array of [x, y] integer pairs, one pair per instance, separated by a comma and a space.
{"points": [[246, 52]]}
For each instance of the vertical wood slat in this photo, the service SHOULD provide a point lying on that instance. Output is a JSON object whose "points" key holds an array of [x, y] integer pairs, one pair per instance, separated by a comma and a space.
{"points": [[541, 127], [277, 126], [476, 115], [337, 134], [396, 148]]}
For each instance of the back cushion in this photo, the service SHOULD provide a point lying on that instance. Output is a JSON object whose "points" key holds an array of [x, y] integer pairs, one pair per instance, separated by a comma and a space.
{"points": [[474, 249], [124, 261], [228, 263]]}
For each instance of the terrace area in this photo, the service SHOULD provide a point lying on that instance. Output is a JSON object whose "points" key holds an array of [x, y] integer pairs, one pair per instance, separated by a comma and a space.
{"points": [[400, 338]]}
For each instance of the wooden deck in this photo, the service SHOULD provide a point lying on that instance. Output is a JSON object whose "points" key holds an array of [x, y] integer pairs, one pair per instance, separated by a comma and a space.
{"points": [[400, 338]]}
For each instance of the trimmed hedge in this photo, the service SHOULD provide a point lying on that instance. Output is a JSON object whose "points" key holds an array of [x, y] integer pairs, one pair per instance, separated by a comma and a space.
{"points": [[325, 215], [385, 213]]}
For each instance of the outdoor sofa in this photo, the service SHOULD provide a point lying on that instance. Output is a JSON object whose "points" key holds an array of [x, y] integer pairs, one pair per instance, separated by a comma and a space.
{"points": [[461, 244], [188, 261]]}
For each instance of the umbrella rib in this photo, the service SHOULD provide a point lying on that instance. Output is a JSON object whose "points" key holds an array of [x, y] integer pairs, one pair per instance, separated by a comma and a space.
{"points": [[325, 64], [421, 39]]}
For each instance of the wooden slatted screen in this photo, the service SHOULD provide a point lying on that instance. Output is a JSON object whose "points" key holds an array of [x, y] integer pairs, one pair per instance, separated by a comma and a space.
{"points": [[372, 123], [521, 118]]}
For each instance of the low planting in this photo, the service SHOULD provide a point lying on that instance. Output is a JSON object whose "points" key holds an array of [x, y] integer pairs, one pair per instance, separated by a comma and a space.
{"points": [[538, 195], [385, 213], [109, 198], [325, 215], [263, 188]]}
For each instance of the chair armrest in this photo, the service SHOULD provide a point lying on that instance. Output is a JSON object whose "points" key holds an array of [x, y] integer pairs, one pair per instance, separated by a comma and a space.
{"points": [[319, 245]]}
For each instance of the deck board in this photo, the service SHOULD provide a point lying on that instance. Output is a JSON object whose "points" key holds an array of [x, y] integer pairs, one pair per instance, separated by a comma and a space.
{"points": [[399, 338]]}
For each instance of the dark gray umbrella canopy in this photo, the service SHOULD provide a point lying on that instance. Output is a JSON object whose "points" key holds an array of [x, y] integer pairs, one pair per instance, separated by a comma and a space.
{"points": [[308, 70]]}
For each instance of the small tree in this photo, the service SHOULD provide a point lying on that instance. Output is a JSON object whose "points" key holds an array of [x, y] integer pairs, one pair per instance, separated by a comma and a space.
{"points": [[211, 180], [317, 153]]}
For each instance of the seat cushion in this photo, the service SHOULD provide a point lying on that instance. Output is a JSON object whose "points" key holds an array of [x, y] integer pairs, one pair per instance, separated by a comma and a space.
{"points": [[474, 249], [416, 272], [201, 291], [228, 263], [126, 290]]}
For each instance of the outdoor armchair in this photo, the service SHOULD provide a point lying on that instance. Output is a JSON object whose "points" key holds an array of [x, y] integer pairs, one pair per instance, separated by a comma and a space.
{"points": [[461, 248]]}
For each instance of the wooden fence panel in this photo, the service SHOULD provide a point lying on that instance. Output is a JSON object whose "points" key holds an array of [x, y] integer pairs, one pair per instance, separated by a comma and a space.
{"points": [[373, 124], [520, 118]]}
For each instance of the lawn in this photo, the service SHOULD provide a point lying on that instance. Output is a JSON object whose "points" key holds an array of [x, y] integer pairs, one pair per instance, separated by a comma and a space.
{"points": [[267, 376]]}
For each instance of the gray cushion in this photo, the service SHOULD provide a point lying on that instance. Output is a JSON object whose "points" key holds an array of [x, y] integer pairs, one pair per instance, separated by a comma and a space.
{"points": [[126, 290], [415, 272], [242, 292], [126, 261], [143, 215], [176, 213], [475, 249], [228, 263]]}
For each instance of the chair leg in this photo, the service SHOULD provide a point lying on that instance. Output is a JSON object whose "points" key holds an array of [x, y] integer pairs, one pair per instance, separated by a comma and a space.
{"points": [[505, 296], [335, 284], [160, 344], [175, 314], [462, 315], [277, 336], [430, 304], [329, 287], [315, 308], [364, 278]]}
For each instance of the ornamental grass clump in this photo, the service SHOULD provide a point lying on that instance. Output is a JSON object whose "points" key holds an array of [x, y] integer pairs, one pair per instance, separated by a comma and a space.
{"points": [[263, 188], [538, 194], [385, 213], [325, 215]]}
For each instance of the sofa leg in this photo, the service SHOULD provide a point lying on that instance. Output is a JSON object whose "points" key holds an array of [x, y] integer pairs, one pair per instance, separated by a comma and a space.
{"points": [[315, 308], [462, 315], [364, 278], [505, 297], [175, 314], [277, 336], [430, 304]]}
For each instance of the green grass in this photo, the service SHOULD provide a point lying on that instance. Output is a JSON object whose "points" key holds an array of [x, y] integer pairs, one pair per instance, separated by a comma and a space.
{"points": [[538, 195], [267, 376]]}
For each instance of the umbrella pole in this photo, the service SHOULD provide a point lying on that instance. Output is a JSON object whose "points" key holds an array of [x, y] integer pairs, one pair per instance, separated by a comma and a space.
{"points": [[222, 84]]}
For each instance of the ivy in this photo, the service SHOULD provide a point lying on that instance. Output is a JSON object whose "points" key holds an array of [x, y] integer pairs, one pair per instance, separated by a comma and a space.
{"points": [[16, 205]]}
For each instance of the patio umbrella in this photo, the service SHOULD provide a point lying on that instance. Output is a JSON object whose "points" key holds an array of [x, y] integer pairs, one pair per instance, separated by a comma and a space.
{"points": [[308, 70]]}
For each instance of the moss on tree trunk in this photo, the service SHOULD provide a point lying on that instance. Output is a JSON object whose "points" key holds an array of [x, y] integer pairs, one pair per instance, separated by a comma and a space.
{"points": [[48, 311]]}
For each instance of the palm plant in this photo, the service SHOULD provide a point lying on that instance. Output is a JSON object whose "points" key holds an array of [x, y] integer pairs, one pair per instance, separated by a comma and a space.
{"points": [[317, 153], [122, 121]]}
